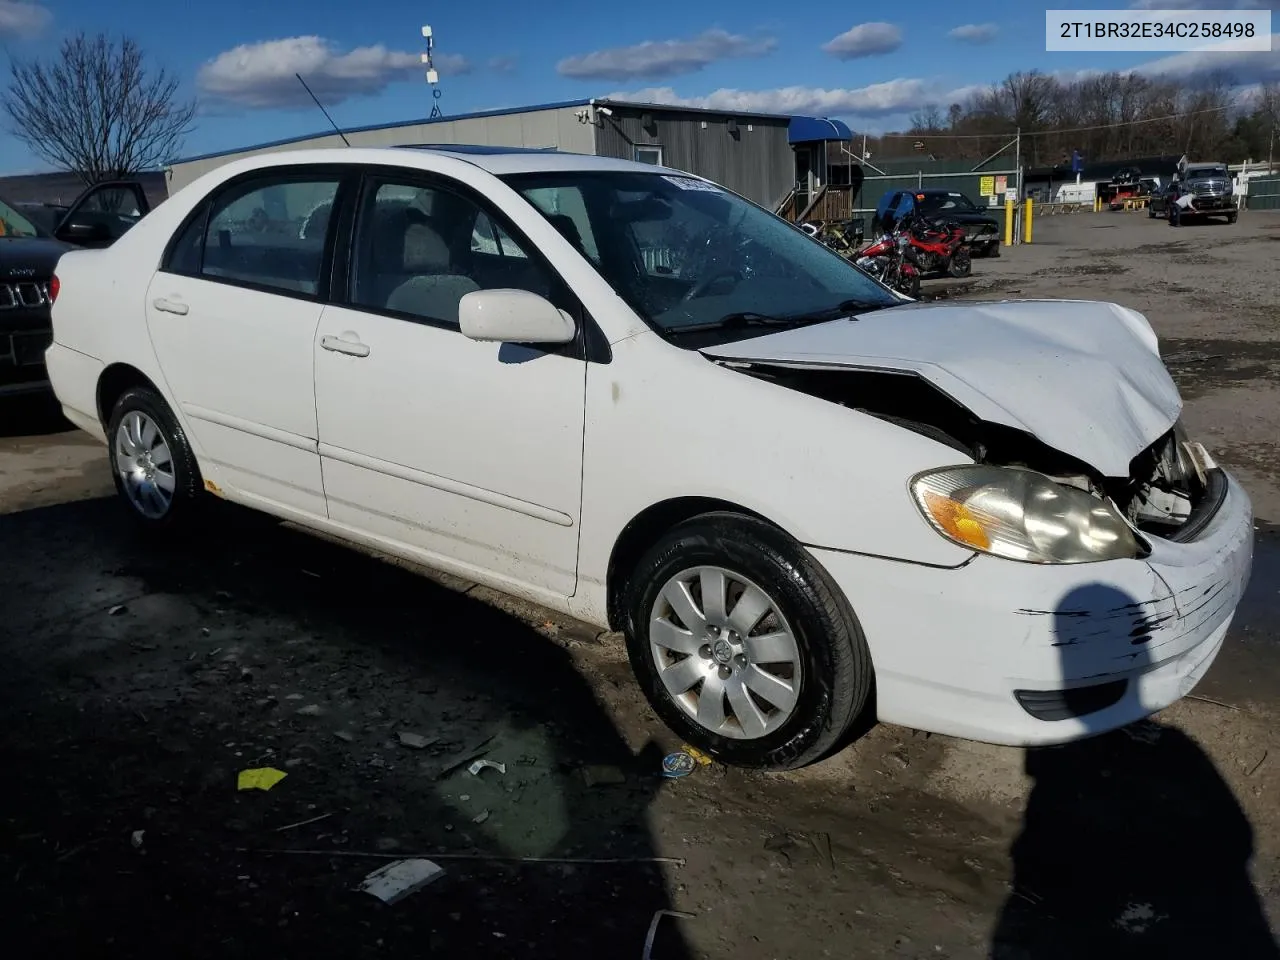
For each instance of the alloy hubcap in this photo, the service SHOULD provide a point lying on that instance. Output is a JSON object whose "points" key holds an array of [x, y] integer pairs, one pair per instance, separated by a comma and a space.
{"points": [[725, 653], [145, 465]]}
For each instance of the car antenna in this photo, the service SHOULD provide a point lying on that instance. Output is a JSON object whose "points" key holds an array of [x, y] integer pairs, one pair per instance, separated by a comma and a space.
{"points": [[336, 128]]}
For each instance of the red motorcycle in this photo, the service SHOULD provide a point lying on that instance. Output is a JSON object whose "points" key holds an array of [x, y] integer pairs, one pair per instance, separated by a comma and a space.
{"points": [[892, 261], [939, 247]]}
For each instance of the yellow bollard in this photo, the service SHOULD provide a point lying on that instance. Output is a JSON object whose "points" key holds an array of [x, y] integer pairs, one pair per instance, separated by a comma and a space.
{"points": [[1026, 229], [1008, 223]]}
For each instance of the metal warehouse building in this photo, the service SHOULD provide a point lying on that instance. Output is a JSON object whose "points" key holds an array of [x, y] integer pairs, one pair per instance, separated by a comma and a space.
{"points": [[761, 156]]}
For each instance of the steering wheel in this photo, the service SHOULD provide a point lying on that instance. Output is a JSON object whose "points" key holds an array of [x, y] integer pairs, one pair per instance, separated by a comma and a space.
{"points": [[702, 286]]}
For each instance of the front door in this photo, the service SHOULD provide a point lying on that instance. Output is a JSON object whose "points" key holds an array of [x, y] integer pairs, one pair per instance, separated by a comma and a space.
{"points": [[463, 451], [233, 314], [103, 214]]}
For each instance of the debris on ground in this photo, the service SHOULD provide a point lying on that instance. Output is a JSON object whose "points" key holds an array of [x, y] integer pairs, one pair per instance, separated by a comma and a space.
{"points": [[136, 838], [311, 710], [397, 880], [481, 817], [465, 757], [117, 610], [480, 765], [303, 823], [703, 760], [601, 776], [679, 764], [259, 778], [346, 736], [416, 741], [653, 928]]}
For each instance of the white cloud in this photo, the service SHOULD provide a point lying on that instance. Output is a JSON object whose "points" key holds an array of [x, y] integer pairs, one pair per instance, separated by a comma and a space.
{"points": [[261, 75], [504, 64], [975, 32], [1242, 67], [864, 40], [19, 19], [655, 59], [878, 99]]}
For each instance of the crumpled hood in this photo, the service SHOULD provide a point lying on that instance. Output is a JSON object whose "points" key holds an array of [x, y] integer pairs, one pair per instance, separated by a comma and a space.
{"points": [[1082, 376]]}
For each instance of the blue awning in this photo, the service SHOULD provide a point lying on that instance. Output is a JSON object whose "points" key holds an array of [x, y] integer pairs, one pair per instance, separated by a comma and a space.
{"points": [[814, 129]]}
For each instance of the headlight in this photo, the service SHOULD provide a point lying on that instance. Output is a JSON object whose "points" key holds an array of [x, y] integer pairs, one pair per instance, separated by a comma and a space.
{"points": [[1022, 515]]}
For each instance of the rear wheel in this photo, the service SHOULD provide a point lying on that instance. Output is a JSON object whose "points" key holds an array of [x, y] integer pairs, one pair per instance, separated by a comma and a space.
{"points": [[154, 470], [961, 264], [743, 645]]}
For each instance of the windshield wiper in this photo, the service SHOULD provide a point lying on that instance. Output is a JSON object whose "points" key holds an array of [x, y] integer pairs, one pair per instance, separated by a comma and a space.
{"points": [[746, 318], [842, 309], [749, 318]]}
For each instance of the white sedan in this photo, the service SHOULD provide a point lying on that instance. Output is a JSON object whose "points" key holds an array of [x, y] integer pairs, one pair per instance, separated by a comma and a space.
{"points": [[632, 396]]}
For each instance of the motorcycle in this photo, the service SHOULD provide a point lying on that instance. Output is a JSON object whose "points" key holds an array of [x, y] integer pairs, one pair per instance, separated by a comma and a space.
{"points": [[892, 261], [939, 247]]}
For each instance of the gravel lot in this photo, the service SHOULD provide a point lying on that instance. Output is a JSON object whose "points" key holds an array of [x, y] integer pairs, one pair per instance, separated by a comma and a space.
{"points": [[141, 677]]}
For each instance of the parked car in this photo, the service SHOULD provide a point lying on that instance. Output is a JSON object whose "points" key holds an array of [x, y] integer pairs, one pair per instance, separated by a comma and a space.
{"points": [[784, 483], [31, 241], [983, 229]]}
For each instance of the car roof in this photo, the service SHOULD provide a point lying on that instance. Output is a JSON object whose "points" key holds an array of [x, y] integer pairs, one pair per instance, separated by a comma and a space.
{"points": [[496, 160]]}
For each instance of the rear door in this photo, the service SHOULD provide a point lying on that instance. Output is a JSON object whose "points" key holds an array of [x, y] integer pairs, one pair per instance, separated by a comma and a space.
{"points": [[233, 313]]}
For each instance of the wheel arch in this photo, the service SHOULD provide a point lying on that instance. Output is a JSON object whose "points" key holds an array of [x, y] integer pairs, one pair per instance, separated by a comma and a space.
{"points": [[114, 381], [643, 531]]}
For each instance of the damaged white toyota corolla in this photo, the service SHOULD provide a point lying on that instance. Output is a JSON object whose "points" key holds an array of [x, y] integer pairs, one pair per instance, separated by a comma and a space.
{"points": [[632, 396]]}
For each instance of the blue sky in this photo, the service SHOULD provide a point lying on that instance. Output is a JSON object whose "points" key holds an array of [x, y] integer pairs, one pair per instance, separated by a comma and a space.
{"points": [[872, 69]]}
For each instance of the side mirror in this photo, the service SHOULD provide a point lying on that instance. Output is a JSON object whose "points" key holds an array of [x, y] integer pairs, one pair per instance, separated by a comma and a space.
{"points": [[513, 316]]}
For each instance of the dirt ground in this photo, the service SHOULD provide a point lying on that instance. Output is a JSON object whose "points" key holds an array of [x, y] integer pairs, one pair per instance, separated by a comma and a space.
{"points": [[141, 677]]}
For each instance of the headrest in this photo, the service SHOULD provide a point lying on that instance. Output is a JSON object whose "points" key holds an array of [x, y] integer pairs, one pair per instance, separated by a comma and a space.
{"points": [[425, 250]]}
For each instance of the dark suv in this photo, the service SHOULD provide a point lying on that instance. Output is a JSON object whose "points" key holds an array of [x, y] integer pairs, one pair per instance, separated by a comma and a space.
{"points": [[29, 252]]}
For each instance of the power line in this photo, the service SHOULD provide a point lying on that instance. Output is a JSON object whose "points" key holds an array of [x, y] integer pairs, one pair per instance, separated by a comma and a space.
{"points": [[1011, 134]]}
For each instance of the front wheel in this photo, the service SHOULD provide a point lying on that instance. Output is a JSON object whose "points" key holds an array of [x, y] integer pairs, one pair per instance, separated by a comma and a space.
{"points": [[154, 470], [743, 644], [1232, 217], [908, 282]]}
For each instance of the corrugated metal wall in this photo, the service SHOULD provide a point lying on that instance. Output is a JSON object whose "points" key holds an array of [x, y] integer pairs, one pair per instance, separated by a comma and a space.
{"points": [[757, 163], [557, 128], [1264, 194]]}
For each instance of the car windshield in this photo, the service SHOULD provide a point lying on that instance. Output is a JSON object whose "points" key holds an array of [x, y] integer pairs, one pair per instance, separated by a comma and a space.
{"points": [[1199, 173], [14, 224], [690, 257], [942, 202]]}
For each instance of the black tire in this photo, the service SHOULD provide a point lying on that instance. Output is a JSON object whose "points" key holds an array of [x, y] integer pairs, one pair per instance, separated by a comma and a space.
{"points": [[994, 250], [835, 664], [183, 507], [1232, 217], [961, 264]]}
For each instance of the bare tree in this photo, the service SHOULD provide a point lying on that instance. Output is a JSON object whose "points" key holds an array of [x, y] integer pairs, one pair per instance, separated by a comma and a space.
{"points": [[97, 110]]}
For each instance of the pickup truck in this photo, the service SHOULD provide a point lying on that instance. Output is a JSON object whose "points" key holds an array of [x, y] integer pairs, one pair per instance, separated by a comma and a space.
{"points": [[1207, 187], [29, 252]]}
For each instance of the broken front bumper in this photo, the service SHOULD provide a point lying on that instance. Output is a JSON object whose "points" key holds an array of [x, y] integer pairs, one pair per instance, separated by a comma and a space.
{"points": [[1026, 654]]}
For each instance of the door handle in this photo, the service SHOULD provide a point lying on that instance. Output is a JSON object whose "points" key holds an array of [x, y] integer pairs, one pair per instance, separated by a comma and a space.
{"points": [[352, 348], [170, 306]]}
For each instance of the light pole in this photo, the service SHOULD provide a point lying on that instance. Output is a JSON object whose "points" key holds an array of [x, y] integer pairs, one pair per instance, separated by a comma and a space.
{"points": [[433, 77]]}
